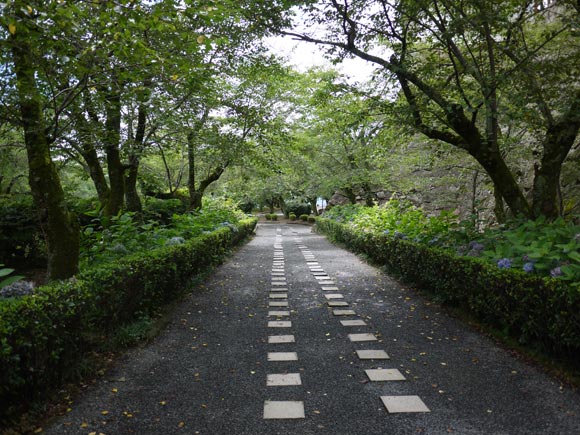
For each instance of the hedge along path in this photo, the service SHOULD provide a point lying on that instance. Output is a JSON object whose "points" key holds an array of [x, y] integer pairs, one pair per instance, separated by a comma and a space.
{"points": [[208, 372]]}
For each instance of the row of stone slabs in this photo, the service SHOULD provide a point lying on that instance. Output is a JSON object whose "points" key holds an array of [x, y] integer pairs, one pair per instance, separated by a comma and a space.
{"points": [[278, 297], [393, 404]]}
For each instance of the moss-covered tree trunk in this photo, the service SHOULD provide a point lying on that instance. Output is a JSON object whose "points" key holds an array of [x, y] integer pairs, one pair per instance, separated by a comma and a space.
{"points": [[557, 143], [60, 226], [115, 167]]}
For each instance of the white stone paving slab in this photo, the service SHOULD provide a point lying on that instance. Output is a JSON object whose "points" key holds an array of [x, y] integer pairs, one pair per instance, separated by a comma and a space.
{"points": [[326, 282], [367, 336], [378, 375], [277, 339], [322, 277], [278, 295], [278, 313], [278, 278], [282, 356], [372, 354], [279, 283], [279, 289], [283, 380], [333, 296], [330, 288], [278, 303], [398, 404], [353, 323], [337, 304], [279, 324], [343, 312]]}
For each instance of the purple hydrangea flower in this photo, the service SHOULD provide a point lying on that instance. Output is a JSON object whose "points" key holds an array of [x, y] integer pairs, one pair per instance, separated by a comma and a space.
{"points": [[504, 263], [556, 272], [529, 267], [476, 246]]}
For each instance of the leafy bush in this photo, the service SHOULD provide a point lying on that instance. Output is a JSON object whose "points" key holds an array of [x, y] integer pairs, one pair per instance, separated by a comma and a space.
{"points": [[21, 238], [292, 216], [126, 235], [533, 309], [311, 219], [162, 210], [268, 217], [303, 217], [5, 279], [43, 337], [297, 208], [273, 216]]}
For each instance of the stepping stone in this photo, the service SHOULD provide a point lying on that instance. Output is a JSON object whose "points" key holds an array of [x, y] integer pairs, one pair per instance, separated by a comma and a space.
{"points": [[322, 277], [331, 288], [343, 312], [279, 313], [378, 375], [320, 273], [312, 263], [278, 295], [278, 283], [283, 380], [278, 269], [333, 296], [278, 303], [282, 356], [326, 282], [316, 269], [337, 304], [279, 324], [398, 404], [353, 323], [276, 339], [279, 289], [362, 337], [278, 278], [372, 354]]}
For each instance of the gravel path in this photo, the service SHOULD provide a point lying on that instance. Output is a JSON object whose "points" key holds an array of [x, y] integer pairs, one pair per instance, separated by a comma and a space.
{"points": [[208, 372]]}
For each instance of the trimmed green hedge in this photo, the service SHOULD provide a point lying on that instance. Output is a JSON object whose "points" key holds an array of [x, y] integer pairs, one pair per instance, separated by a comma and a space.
{"points": [[44, 337], [531, 309]]}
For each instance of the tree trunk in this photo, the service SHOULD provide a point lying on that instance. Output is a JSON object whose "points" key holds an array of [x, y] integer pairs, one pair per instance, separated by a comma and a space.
{"points": [[96, 172], [196, 194], [114, 165], [349, 193], [558, 141], [132, 198], [131, 195], [60, 226]]}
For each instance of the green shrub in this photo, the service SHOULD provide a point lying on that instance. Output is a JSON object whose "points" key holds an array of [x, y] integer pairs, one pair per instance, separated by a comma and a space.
{"points": [[43, 337], [303, 217], [292, 216], [532, 309], [274, 216], [296, 207], [162, 210], [311, 219], [21, 238], [268, 216]]}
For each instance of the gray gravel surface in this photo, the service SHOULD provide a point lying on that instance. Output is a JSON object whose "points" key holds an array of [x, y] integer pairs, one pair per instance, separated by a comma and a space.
{"points": [[206, 373]]}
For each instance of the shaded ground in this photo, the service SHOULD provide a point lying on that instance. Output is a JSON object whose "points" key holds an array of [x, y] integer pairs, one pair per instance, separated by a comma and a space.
{"points": [[206, 374]]}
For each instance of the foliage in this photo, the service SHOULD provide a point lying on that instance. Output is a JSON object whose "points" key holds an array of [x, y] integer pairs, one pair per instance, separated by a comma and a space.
{"points": [[296, 207], [536, 247], [5, 279], [543, 311], [125, 234], [21, 238], [43, 337], [162, 210], [303, 217], [292, 216], [311, 219]]}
